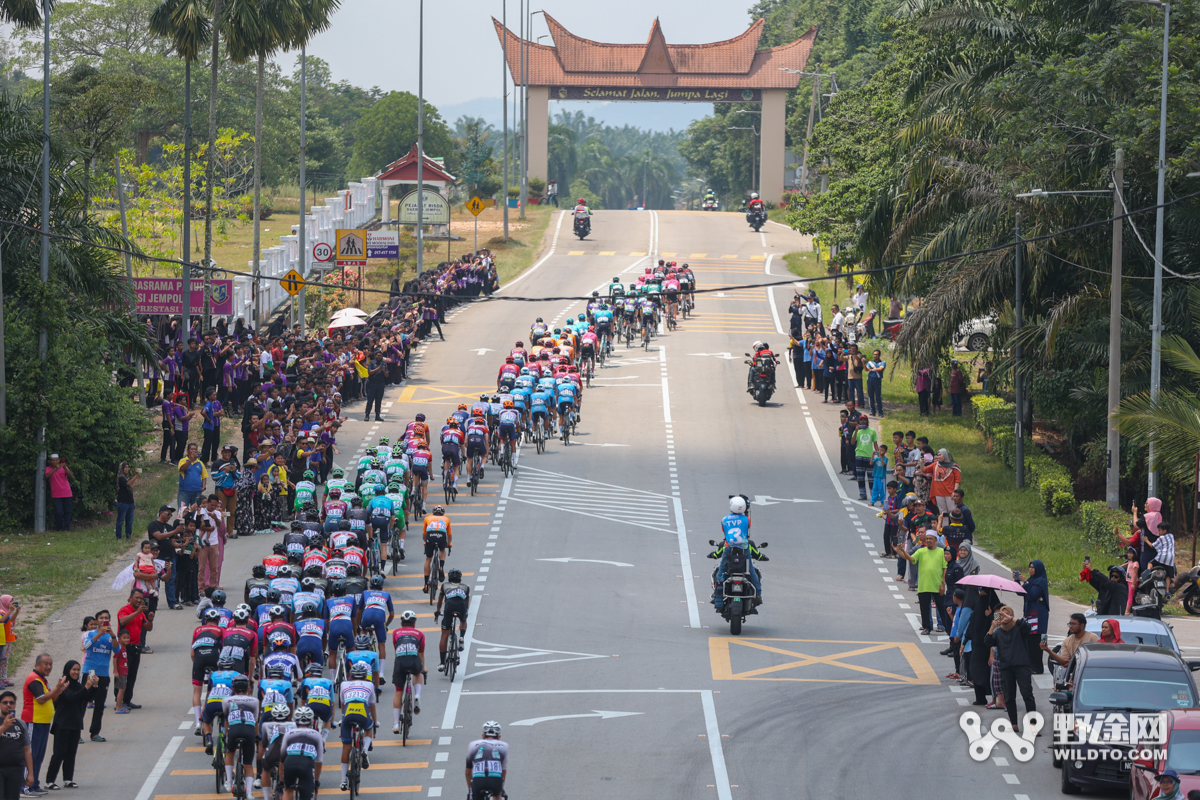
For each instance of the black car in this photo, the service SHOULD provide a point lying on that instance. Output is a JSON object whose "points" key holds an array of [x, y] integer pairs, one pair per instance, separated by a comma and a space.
{"points": [[1128, 678]]}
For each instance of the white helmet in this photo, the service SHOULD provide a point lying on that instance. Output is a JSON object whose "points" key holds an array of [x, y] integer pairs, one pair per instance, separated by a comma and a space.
{"points": [[754, 195], [737, 505], [756, 345], [304, 716]]}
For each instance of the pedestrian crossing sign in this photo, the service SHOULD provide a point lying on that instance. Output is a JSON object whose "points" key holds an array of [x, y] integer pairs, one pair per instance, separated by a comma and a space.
{"points": [[292, 283], [475, 206], [351, 247]]}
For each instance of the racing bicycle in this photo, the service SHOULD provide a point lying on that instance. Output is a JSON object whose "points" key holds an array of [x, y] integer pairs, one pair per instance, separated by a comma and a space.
{"points": [[394, 552], [433, 581], [406, 708]]}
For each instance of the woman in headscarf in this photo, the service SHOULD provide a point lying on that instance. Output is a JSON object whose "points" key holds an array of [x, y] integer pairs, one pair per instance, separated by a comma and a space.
{"points": [[983, 602], [1037, 611], [243, 517], [945, 477], [960, 563], [9, 609], [67, 727], [1110, 632]]}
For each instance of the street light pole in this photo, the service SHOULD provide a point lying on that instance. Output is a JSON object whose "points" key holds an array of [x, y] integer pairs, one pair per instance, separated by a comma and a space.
{"points": [[420, 137], [1112, 485], [1156, 325], [39, 493], [504, 83], [303, 249], [1019, 381]]}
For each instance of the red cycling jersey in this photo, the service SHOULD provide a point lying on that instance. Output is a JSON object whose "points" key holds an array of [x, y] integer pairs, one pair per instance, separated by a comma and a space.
{"points": [[453, 436], [510, 369], [335, 508], [207, 636]]}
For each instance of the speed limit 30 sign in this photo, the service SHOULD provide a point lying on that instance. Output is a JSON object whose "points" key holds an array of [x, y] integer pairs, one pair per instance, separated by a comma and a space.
{"points": [[322, 252]]}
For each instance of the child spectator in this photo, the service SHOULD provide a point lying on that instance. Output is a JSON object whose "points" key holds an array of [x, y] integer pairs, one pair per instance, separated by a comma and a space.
{"points": [[879, 465], [121, 668]]}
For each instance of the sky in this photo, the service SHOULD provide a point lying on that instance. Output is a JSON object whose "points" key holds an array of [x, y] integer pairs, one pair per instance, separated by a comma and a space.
{"points": [[374, 43]]}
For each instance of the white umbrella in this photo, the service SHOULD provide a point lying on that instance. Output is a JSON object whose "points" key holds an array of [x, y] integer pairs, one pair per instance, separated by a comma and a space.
{"points": [[350, 312], [124, 578], [345, 322]]}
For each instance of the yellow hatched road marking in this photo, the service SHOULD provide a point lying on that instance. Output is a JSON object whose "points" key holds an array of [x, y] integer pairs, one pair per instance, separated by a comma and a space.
{"points": [[720, 657], [636, 255], [667, 255], [730, 257]]}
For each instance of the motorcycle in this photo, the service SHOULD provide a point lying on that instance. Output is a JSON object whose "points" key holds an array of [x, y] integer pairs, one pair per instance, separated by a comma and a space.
{"points": [[710, 204], [865, 327], [1188, 586], [1151, 593], [762, 381], [583, 226], [756, 219], [740, 599]]}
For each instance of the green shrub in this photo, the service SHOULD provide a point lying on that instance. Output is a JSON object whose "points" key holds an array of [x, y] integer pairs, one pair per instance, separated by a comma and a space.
{"points": [[993, 414], [266, 206], [1097, 522]]}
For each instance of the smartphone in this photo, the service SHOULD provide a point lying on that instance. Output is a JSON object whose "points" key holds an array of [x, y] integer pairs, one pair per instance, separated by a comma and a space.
{"points": [[91, 674], [996, 615], [1016, 574], [1087, 561], [1043, 638]]}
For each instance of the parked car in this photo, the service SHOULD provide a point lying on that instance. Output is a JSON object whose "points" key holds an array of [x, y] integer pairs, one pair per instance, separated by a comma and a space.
{"points": [[1137, 630], [1183, 756], [1107, 678], [976, 334]]}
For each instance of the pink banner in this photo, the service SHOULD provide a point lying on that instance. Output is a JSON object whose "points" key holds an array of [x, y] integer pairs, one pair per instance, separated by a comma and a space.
{"points": [[165, 296]]}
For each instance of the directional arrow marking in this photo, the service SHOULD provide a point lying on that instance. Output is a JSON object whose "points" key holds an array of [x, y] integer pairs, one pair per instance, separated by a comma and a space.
{"points": [[598, 444], [726, 356], [588, 560], [600, 714], [767, 500], [481, 350]]}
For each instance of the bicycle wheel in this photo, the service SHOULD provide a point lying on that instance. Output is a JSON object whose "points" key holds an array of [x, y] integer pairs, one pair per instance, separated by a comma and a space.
{"points": [[566, 432], [394, 552], [355, 766], [239, 777], [446, 486], [219, 754], [406, 715], [452, 654]]}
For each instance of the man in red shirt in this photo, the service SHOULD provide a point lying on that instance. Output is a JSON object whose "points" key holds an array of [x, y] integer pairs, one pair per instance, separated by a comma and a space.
{"points": [[134, 618]]}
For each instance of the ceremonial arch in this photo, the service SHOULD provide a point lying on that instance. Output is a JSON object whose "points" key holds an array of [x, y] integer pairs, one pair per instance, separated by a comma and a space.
{"points": [[732, 71]]}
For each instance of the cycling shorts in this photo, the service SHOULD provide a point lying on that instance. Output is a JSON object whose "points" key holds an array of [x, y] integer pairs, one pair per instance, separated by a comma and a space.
{"points": [[322, 711], [433, 544], [453, 452], [476, 446], [377, 619], [204, 662], [672, 296], [508, 430], [212, 710], [244, 738], [383, 528], [539, 412], [452, 610], [402, 667], [310, 647], [564, 405], [421, 472], [341, 630], [485, 788], [298, 773], [587, 350], [350, 721], [604, 326]]}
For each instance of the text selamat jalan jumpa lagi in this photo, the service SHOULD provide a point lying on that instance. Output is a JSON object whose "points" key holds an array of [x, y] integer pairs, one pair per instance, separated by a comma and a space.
{"points": [[710, 95]]}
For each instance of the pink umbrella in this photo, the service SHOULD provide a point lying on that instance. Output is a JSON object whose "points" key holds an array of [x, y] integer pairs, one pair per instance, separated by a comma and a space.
{"points": [[992, 582]]}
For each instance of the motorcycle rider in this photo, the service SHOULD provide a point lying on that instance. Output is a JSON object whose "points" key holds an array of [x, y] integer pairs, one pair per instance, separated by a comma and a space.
{"points": [[763, 359], [709, 195], [582, 212], [736, 528]]}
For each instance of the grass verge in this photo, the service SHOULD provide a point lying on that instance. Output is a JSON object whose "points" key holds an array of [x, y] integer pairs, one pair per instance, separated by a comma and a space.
{"points": [[1010, 523], [47, 572]]}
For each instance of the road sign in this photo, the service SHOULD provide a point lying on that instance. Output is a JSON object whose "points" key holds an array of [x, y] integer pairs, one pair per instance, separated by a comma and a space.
{"points": [[351, 247], [383, 244], [292, 283], [322, 252], [475, 206], [436, 209]]}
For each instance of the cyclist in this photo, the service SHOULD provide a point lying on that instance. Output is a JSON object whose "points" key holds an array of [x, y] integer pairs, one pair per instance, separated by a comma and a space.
{"points": [[477, 440], [520, 397], [302, 751], [311, 636], [604, 323], [356, 698], [615, 289], [482, 405], [384, 448], [565, 393], [421, 461], [312, 590], [206, 652], [380, 509], [671, 288], [438, 538], [408, 644], [377, 613], [363, 652], [241, 731], [487, 764], [589, 345], [539, 402], [396, 466], [538, 329], [337, 479], [257, 585], [280, 658], [333, 510], [457, 598], [687, 282], [286, 583], [306, 491], [339, 539], [240, 642], [452, 444], [220, 686], [508, 368], [272, 725], [356, 584], [398, 494], [357, 517], [343, 618], [518, 354], [316, 692]]}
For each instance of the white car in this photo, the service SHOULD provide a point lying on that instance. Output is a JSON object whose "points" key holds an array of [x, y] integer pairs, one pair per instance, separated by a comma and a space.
{"points": [[976, 334]]}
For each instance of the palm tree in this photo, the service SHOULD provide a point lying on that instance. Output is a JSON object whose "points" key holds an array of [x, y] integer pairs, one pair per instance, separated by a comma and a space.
{"points": [[1172, 422], [22, 13]]}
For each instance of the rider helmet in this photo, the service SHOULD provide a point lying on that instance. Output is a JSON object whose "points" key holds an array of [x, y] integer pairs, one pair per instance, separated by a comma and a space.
{"points": [[508, 403], [241, 615], [274, 595], [277, 612], [278, 549], [212, 617], [519, 344], [309, 610], [491, 730], [304, 717], [408, 618], [225, 662], [314, 669], [276, 671], [335, 493], [355, 502], [337, 472], [360, 670], [353, 571], [376, 582], [420, 417], [240, 685], [309, 475], [280, 711], [737, 505], [258, 571], [455, 576], [362, 642], [438, 510]]}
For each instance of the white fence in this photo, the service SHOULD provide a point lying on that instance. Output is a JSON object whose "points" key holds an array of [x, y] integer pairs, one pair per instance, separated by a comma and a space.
{"points": [[351, 208]]}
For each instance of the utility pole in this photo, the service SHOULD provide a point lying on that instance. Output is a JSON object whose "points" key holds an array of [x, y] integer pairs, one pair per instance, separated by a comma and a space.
{"points": [[186, 270], [1156, 325], [303, 249], [128, 269], [39, 493], [504, 83], [420, 140], [524, 123], [1112, 489], [1019, 382], [812, 110]]}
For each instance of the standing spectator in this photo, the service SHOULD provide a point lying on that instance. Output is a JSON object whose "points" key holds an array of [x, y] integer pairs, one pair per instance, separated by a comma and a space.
{"points": [[936, 395], [976, 654], [875, 368], [10, 609], [125, 480], [59, 475], [958, 386], [99, 645], [945, 478], [1037, 610], [38, 710], [1112, 592], [923, 385], [162, 531], [968, 520], [855, 366], [890, 513], [376, 383], [225, 474], [69, 711], [1164, 550], [193, 477], [121, 668], [185, 556], [879, 471], [168, 430], [1010, 636], [189, 362], [866, 445], [133, 618], [208, 553], [244, 516], [212, 412], [16, 755], [930, 563]]}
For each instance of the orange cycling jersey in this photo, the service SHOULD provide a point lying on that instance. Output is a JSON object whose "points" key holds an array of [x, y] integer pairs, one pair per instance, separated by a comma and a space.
{"points": [[435, 524]]}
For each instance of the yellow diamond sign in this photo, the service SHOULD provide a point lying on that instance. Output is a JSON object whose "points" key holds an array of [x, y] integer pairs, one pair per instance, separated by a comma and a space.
{"points": [[292, 283], [475, 206]]}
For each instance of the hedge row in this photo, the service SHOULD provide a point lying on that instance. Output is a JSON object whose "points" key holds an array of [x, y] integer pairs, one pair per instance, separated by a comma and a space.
{"points": [[1098, 522], [1052, 481]]}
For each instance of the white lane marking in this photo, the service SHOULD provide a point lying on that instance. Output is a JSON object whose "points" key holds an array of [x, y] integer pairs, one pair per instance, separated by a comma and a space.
{"points": [[436, 791], [812, 429], [456, 685], [600, 714], [187, 723], [720, 773], [666, 400], [569, 559], [160, 767], [543, 259]]}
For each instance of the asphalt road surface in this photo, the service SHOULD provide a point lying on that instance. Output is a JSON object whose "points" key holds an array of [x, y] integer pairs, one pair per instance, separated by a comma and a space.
{"points": [[592, 640]]}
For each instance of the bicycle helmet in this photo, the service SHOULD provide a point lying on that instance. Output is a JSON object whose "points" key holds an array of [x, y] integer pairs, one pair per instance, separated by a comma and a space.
{"points": [[304, 717], [508, 360], [483, 398], [376, 463], [420, 417], [355, 502], [280, 711], [276, 671], [297, 526], [384, 441], [539, 319], [314, 669], [595, 294], [371, 451], [508, 404], [393, 487], [362, 642], [242, 615], [491, 730], [313, 571], [455, 576], [276, 612], [278, 548], [438, 511], [583, 318], [376, 582], [616, 279], [338, 472], [354, 571], [258, 571], [309, 610], [495, 398], [408, 618], [360, 670], [285, 571], [337, 588], [212, 617], [240, 685], [308, 583], [451, 420], [309, 475], [274, 595], [335, 493], [225, 662], [519, 344]]}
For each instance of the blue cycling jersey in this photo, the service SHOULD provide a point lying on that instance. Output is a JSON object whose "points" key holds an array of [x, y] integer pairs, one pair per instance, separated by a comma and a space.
{"points": [[369, 656]]}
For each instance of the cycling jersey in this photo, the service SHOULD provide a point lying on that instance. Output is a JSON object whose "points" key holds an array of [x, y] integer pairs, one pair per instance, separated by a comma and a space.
{"points": [[316, 691], [287, 587], [370, 657], [306, 746], [340, 540], [299, 599], [380, 506], [335, 509], [241, 645], [336, 483], [290, 663], [452, 436], [309, 630], [395, 469], [273, 563], [314, 558], [220, 685], [256, 590], [374, 476], [274, 690], [408, 643], [305, 490], [436, 526], [487, 758], [421, 459], [341, 608], [356, 699]]}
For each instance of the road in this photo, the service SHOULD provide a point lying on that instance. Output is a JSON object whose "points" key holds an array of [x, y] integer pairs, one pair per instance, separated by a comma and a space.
{"points": [[591, 638]]}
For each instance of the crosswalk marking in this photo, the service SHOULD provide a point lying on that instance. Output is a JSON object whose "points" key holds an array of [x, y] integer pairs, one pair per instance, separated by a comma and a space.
{"points": [[607, 253], [575, 253], [591, 498], [698, 255]]}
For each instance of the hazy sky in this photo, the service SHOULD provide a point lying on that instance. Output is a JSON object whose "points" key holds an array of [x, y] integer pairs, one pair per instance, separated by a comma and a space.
{"points": [[374, 42]]}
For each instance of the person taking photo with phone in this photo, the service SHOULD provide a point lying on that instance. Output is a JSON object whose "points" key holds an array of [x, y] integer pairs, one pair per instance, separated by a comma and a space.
{"points": [[1010, 636]]}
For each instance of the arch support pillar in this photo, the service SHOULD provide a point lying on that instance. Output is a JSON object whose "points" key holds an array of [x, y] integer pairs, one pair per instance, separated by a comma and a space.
{"points": [[771, 145], [539, 132]]}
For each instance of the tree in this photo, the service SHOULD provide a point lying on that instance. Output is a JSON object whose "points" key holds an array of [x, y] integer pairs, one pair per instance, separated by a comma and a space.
{"points": [[388, 130], [476, 160], [88, 31]]}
